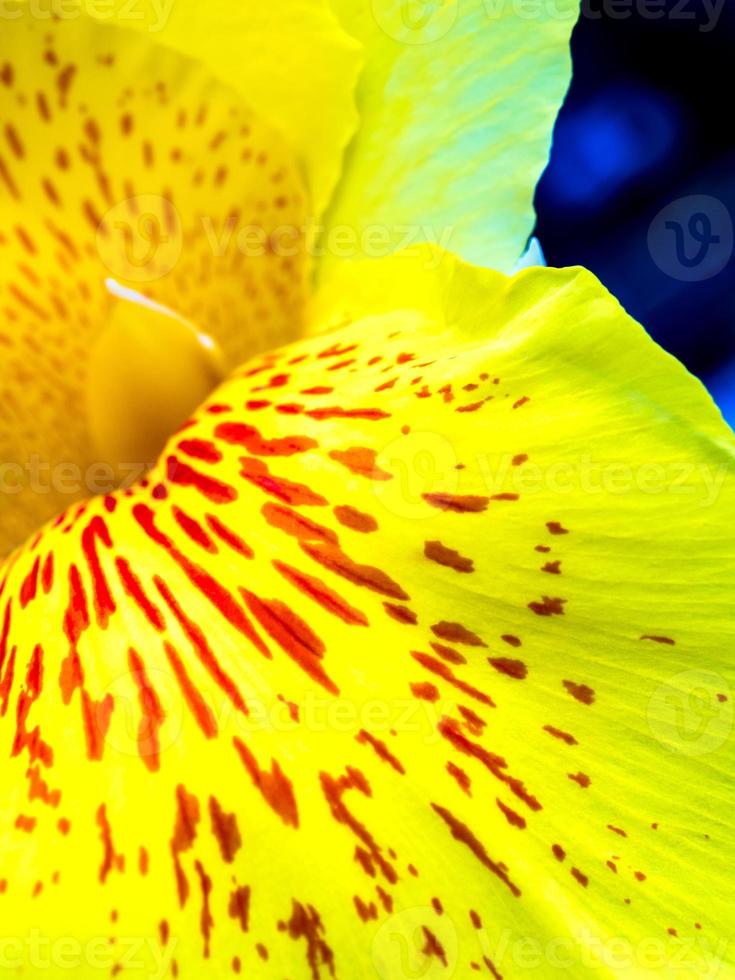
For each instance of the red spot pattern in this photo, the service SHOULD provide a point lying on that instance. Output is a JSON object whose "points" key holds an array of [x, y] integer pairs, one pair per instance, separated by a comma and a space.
{"points": [[361, 462], [104, 603], [226, 831], [292, 635], [512, 668], [229, 537], [335, 560], [133, 588], [152, 712], [177, 594], [186, 476], [247, 436], [329, 600], [445, 672], [462, 833], [580, 692], [548, 606], [192, 696], [295, 494], [275, 787], [381, 749], [296, 525], [493, 763], [355, 520], [457, 504], [439, 553]]}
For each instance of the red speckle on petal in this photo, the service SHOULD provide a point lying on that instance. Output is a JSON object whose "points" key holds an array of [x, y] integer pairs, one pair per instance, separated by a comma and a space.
{"points": [[581, 692], [275, 787]]}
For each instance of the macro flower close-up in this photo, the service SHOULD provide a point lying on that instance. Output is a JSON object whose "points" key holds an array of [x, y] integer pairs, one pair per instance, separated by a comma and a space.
{"points": [[365, 584]]}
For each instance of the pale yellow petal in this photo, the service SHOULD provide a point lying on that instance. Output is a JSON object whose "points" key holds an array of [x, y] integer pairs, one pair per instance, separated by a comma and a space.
{"points": [[458, 101]]}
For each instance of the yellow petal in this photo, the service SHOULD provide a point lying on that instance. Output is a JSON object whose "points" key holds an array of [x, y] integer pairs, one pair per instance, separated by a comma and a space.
{"points": [[148, 371], [412, 658], [457, 103], [123, 159], [288, 59]]}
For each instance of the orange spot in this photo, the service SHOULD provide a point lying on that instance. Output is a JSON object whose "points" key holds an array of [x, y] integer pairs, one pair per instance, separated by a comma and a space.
{"points": [[457, 504], [581, 692], [355, 520], [274, 786], [439, 553], [361, 462]]}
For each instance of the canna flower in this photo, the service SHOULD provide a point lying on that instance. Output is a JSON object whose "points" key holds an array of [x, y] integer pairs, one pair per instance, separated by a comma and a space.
{"points": [[409, 655]]}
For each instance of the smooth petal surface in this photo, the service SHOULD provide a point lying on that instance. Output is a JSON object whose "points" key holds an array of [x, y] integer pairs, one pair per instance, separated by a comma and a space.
{"points": [[288, 59], [123, 159], [457, 102], [412, 658]]}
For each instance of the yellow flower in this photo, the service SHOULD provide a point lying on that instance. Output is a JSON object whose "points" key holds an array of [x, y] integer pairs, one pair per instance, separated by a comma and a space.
{"points": [[410, 657]]}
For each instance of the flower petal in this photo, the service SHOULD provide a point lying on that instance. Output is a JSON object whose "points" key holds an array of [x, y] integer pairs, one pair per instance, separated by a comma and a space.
{"points": [[457, 104], [289, 60], [412, 658], [120, 158]]}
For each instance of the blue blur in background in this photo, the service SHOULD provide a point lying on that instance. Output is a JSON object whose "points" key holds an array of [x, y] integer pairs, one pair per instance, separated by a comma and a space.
{"points": [[640, 187]]}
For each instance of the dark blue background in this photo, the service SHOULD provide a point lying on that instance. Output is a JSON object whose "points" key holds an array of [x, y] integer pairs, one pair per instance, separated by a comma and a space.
{"points": [[649, 120]]}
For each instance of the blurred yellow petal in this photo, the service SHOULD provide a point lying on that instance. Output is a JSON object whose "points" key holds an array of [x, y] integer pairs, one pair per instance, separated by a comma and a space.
{"points": [[147, 372], [289, 60], [411, 658], [457, 102], [123, 159]]}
